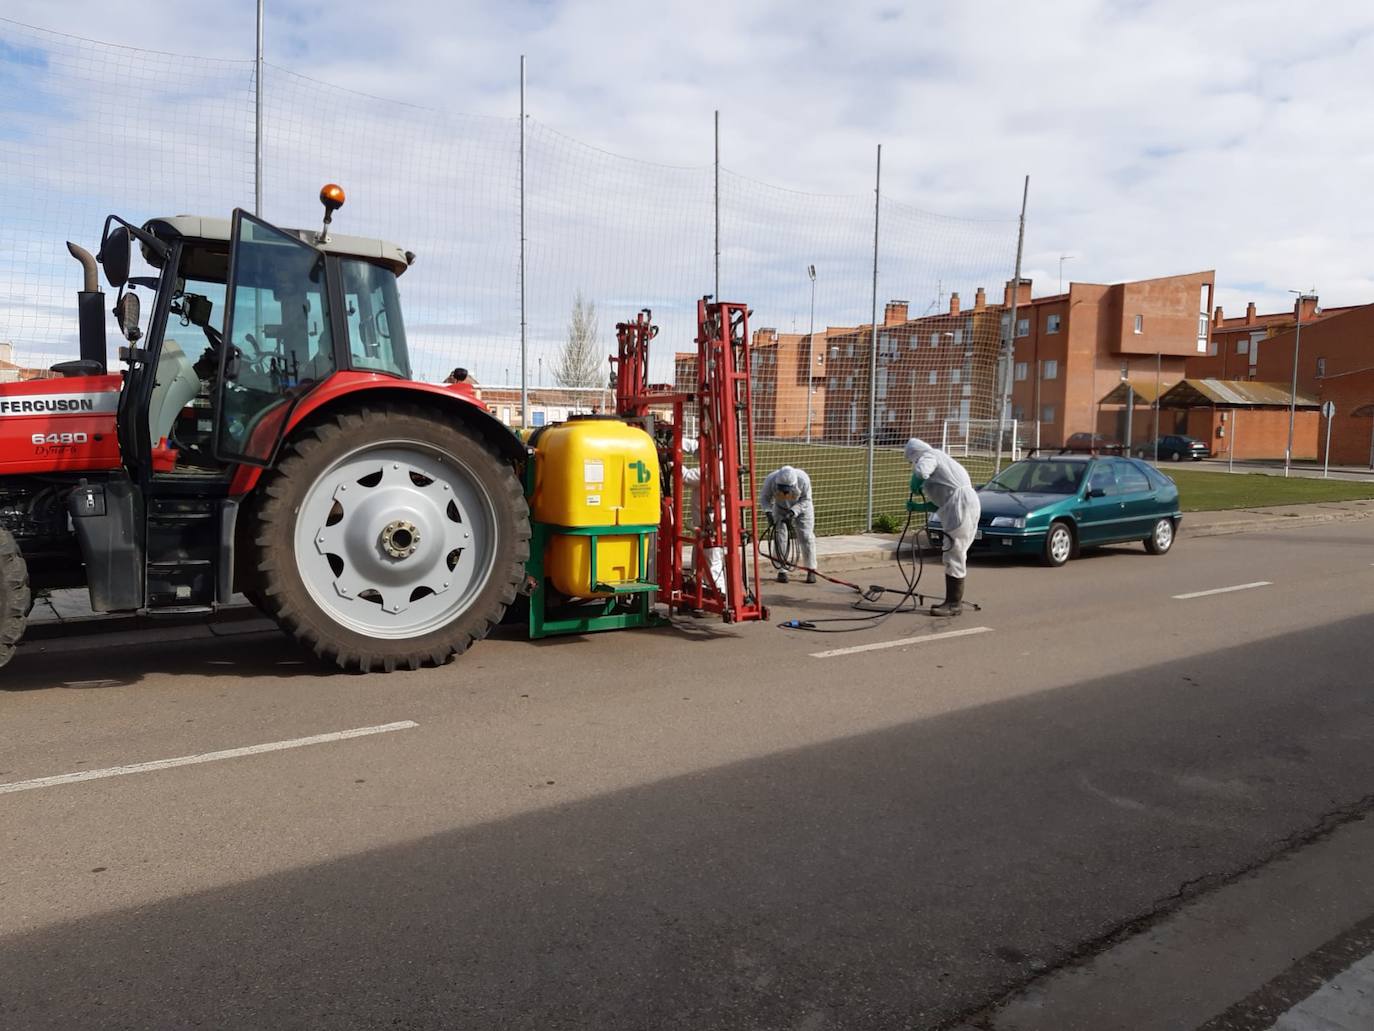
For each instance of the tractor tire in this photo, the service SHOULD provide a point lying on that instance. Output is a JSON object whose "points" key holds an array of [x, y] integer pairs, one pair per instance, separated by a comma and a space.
{"points": [[16, 600], [388, 538]]}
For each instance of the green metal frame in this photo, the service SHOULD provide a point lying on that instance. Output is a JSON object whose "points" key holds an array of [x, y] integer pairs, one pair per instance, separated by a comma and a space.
{"points": [[600, 612]]}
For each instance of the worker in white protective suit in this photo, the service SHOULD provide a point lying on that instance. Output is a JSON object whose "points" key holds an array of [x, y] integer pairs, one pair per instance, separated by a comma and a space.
{"points": [[786, 499], [946, 486], [713, 557]]}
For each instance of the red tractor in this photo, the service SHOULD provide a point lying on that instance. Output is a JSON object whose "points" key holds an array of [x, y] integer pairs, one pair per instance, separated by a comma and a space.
{"points": [[266, 438]]}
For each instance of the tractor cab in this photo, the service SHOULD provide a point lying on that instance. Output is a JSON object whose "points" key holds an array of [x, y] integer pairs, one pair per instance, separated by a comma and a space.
{"points": [[243, 320]]}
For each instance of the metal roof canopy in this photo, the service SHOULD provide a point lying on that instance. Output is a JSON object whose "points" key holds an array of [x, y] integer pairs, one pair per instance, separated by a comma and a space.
{"points": [[1207, 393], [1143, 392], [1233, 393]]}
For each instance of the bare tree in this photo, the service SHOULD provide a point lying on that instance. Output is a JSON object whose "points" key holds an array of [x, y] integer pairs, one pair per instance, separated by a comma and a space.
{"points": [[580, 362]]}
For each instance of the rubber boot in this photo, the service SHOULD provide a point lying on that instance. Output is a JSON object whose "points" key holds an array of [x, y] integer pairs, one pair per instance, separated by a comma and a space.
{"points": [[954, 598], [810, 576], [782, 576]]}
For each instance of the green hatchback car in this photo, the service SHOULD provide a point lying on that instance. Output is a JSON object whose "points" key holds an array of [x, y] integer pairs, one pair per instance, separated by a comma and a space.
{"points": [[1053, 505]]}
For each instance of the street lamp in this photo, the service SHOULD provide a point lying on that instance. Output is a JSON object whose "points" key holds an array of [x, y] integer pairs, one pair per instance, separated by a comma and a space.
{"points": [[1063, 258], [810, 350], [1293, 395]]}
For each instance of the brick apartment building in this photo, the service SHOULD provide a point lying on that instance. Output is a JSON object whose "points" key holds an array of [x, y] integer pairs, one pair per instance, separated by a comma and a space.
{"points": [[1073, 349], [1335, 363], [934, 373], [786, 367]]}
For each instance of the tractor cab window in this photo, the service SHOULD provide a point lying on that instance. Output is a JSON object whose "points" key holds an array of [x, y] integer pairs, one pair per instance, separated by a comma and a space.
{"points": [[376, 335], [277, 341]]}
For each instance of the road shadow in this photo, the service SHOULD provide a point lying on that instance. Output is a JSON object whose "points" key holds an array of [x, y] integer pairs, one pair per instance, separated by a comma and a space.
{"points": [[888, 880], [241, 651]]}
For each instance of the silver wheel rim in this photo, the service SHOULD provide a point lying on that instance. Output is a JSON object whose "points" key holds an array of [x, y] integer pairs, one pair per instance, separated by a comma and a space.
{"points": [[1060, 544], [1164, 534], [395, 540]]}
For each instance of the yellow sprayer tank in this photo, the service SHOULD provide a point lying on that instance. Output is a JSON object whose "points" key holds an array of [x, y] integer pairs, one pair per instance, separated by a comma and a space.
{"points": [[595, 473]]}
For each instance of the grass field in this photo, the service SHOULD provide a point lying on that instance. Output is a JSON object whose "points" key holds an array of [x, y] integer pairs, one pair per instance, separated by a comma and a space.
{"points": [[1212, 492], [839, 477]]}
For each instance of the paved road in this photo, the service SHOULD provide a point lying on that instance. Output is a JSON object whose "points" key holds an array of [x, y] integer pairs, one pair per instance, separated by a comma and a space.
{"points": [[698, 827]]}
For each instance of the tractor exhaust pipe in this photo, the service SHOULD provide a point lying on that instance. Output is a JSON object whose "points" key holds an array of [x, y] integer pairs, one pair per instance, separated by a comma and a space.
{"points": [[90, 310]]}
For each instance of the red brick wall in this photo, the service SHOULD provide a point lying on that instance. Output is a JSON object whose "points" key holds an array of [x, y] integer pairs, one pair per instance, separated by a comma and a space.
{"points": [[1350, 434], [1255, 433]]}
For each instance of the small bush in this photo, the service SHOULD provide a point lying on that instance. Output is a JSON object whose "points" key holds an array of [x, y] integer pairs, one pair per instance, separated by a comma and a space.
{"points": [[885, 523]]}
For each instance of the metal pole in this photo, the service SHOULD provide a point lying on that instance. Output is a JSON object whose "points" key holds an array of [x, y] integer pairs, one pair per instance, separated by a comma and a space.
{"points": [[717, 288], [1326, 457], [257, 136], [1130, 414], [524, 325], [1235, 427], [1293, 398], [810, 350], [1009, 353], [1158, 362], [873, 349]]}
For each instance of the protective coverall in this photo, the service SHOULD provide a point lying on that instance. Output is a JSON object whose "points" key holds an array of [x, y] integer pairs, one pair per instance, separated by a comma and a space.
{"points": [[948, 487], [786, 496]]}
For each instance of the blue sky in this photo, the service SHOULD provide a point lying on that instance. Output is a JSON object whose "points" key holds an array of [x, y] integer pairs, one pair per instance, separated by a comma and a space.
{"points": [[1160, 137]]}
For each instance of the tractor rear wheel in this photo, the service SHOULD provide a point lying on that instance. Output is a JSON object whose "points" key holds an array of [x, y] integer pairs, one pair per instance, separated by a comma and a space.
{"points": [[389, 538], [15, 597]]}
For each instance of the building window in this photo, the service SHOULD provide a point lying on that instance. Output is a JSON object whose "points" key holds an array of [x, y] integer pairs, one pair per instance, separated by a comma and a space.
{"points": [[1125, 370], [1022, 369], [935, 340], [1140, 323], [1243, 346], [538, 418], [934, 376], [930, 414], [1321, 368], [955, 376], [1023, 327], [1052, 324], [1050, 369], [1047, 414], [1018, 413]]}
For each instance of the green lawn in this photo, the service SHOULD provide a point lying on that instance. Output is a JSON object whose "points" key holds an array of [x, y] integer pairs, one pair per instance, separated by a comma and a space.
{"points": [[839, 479], [1211, 492]]}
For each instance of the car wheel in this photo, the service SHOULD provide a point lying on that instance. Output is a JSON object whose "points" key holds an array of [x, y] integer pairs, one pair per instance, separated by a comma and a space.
{"points": [[1058, 544], [1161, 538], [1176, 456]]}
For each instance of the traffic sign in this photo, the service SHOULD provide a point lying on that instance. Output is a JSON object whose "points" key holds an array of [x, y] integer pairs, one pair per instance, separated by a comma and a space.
{"points": [[1328, 409]]}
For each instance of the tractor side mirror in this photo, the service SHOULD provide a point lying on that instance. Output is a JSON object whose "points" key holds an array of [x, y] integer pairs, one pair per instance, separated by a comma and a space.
{"points": [[114, 256], [127, 312]]}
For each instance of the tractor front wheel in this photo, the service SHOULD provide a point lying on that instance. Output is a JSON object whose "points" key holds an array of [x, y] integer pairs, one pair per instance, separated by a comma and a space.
{"points": [[15, 597], [389, 538]]}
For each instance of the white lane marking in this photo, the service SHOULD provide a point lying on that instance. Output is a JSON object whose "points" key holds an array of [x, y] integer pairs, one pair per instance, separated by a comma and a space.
{"points": [[1223, 590], [901, 643], [204, 757]]}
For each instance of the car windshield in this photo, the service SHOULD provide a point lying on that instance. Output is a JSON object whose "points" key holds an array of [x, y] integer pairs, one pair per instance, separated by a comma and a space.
{"points": [[1039, 477]]}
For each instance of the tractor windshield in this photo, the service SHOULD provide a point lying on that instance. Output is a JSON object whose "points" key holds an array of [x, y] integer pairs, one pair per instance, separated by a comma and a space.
{"points": [[376, 334]]}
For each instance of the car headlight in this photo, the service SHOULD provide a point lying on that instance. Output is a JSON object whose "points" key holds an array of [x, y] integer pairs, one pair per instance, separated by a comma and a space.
{"points": [[1013, 522]]}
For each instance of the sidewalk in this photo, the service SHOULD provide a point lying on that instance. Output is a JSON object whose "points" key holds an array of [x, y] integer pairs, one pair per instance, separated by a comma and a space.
{"points": [[833, 555]]}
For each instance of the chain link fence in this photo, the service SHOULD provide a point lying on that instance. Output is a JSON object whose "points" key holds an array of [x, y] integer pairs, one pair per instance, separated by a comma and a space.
{"points": [[91, 128]]}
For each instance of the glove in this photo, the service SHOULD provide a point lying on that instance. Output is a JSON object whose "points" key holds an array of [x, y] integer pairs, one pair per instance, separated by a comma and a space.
{"points": [[917, 482], [913, 505]]}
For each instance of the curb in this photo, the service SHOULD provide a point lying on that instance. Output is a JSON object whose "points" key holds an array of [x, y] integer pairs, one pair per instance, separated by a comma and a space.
{"points": [[1267, 522]]}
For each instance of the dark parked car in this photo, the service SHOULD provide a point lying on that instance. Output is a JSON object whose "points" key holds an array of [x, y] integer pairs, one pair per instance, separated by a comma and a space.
{"points": [[1176, 447], [1091, 442], [1053, 505]]}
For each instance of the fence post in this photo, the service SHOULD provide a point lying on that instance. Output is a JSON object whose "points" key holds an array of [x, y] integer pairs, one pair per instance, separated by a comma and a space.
{"points": [[1004, 392], [524, 331], [873, 348]]}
